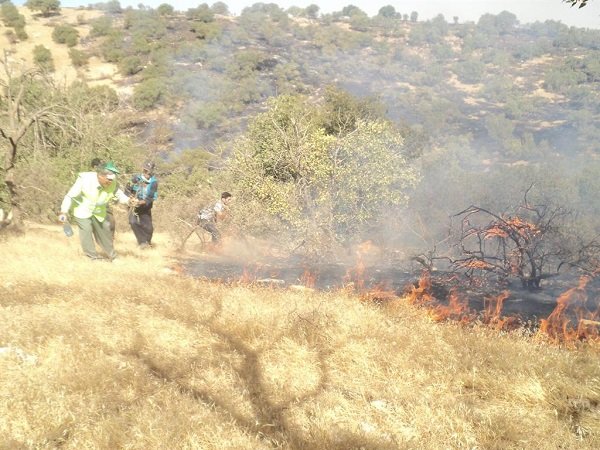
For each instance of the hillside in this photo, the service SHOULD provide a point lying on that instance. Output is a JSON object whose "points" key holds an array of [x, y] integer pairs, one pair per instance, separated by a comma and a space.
{"points": [[40, 30], [133, 354]]}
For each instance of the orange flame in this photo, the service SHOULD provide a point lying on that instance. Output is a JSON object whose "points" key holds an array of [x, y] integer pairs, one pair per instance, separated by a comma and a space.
{"points": [[571, 319], [420, 295], [492, 314], [379, 294], [475, 264], [456, 309], [356, 275], [248, 276]]}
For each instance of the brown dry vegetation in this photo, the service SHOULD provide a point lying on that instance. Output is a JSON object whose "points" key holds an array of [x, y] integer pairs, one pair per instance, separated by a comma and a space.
{"points": [[135, 355]]}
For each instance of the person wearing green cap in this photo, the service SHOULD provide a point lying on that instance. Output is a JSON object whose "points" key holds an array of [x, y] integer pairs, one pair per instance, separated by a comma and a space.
{"points": [[87, 200], [96, 164]]}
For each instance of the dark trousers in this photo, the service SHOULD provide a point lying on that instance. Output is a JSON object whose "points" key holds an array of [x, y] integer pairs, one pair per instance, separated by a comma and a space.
{"points": [[141, 224], [211, 227]]}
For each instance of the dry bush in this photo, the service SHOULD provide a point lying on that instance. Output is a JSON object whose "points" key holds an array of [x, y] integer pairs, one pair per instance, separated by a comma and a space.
{"points": [[132, 354]]}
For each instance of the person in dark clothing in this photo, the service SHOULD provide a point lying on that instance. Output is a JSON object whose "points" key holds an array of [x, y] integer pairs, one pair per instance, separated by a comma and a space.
{"points": [[143, 188], [211, 214]]}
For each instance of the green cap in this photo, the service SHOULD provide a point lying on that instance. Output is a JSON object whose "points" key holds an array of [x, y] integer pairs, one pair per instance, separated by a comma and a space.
{"points": [[111, 166]]}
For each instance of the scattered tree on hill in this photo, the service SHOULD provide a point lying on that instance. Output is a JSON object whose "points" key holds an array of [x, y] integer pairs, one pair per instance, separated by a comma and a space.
{"points": [[102, 26], [42, 57], [111, 7], [164, 9], [202, 13], [220, 8], [46, 7], [12, 18], [387, 11], [65, 34], [312, 11], [326, 188], [149, 93], [79, 58]]}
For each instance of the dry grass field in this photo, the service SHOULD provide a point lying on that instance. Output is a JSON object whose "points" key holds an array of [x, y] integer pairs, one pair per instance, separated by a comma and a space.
{"points": [[134, 354]]}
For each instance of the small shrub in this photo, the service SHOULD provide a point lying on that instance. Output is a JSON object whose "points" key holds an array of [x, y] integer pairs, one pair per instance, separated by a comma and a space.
{"points": [[130, 65], [21, 33], [78, 57], [101, 26], [42, 57], [148, 93], [11, 37], [65, 34]]}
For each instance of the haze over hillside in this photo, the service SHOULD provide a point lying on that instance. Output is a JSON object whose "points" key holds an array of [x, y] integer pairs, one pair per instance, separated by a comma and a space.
{"points": [[467, 10]]}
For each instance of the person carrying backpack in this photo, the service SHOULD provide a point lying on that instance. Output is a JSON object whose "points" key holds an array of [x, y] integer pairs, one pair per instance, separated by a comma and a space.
{"points": [[209, 216], [143, 189]]}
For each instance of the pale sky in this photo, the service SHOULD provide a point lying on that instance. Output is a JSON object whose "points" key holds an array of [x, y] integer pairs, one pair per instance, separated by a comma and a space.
{"points": [[527, 11]]}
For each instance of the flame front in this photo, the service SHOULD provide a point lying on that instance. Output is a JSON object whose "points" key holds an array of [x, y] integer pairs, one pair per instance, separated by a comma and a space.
{"points": [[573, 319]]}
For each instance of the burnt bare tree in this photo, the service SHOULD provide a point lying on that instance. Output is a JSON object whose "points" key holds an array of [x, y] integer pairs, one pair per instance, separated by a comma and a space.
{"points": [[531, 242]]}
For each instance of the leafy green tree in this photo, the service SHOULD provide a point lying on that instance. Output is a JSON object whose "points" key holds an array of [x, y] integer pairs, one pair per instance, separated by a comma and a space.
{"points": [[328, 189], [387, 11], [111, 6], [414, 16], [342, 111], [352, 10], [46, 7], [164, 9], [503, 23], [220, 8], [201, 13], [360, 22], [312, 11], [12, 18]]}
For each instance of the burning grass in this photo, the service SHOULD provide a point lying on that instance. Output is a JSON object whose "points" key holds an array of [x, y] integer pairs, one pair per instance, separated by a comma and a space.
{"points": [[131, 354]]}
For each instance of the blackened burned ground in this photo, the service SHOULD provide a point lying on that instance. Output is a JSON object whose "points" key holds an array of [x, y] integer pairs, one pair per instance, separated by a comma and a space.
{"points": [[525, 304]]}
